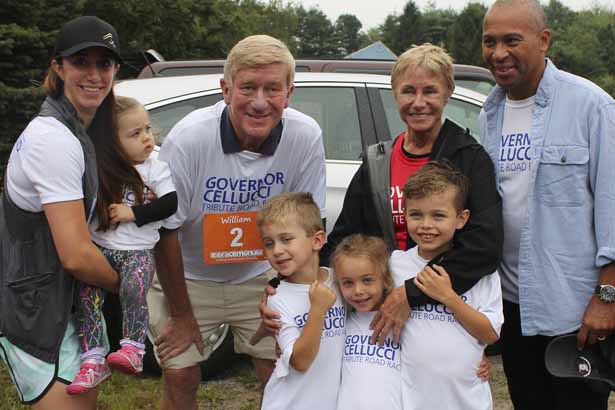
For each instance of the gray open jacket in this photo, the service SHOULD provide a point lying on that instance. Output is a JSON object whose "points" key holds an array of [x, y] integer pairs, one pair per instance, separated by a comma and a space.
{"points": [[36, 294]]}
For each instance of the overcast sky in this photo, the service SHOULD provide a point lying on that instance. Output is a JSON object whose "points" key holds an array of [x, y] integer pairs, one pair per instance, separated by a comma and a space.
{"points": [[373, 12]]}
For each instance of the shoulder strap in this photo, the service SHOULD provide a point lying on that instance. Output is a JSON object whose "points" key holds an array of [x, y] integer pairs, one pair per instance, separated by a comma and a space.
{"points": [[378, 160]]}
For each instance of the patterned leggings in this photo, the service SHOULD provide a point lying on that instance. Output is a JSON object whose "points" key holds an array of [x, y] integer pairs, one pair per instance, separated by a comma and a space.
{"points": [[136, 269]]}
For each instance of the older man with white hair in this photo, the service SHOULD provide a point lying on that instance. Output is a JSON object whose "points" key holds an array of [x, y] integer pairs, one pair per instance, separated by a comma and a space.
{"points": [[227, 161]]}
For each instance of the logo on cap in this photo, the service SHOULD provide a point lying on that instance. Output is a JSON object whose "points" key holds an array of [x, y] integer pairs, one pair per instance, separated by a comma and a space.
{"points": [[109, 39], [584, 367]]}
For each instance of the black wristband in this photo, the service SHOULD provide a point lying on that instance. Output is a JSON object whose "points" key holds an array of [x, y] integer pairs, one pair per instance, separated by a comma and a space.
{"points": [[274, 282]]}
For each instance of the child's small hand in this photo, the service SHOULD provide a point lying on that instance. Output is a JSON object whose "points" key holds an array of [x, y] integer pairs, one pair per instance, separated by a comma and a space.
{"points": [[483, 369], [120, 213], [149, 196], [435, 283], [321, 297]]}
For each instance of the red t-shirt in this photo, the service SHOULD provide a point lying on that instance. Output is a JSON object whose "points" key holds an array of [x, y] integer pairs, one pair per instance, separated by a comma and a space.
{"points": [[403, 164]]}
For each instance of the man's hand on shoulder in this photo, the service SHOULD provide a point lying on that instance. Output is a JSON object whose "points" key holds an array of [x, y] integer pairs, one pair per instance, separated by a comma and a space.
{"points": [[271, 319], [392, 316], [177, 336]]}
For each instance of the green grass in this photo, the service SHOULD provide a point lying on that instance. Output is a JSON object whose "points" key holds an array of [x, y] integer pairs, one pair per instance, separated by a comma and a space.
{"points": [[120, 392], [238, 390]]}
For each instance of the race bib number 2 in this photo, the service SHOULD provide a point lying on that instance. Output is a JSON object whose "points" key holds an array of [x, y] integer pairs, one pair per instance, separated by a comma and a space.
{"points": [[231, 238]]}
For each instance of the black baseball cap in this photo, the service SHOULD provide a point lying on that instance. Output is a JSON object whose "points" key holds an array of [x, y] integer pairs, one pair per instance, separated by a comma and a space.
{"points": [[595, 363], [84, 32]]}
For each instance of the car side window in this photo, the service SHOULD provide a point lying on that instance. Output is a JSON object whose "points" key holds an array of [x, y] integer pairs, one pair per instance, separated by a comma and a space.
{"points": [[396, 125], [464, 114], [335, 110], [165, 117], [483, 87], [461, 112]]}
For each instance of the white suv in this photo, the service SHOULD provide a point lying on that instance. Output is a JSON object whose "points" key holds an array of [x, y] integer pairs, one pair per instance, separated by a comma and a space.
{"points": [[353, 110]]}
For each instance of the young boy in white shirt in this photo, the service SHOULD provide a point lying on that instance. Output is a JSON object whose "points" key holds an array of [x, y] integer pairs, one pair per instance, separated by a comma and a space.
{"points": [[307, 375], [442, 342]]}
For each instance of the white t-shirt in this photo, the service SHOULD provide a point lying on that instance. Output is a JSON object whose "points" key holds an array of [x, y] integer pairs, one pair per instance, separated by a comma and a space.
{"points": [[371, 374], [46, 165], [318, 387], [439, 357], [128, 236], [209, 181], [515, 166]]}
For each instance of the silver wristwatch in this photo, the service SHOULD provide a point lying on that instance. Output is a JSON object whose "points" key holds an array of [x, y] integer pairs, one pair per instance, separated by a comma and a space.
{"points": [[606, 293]]}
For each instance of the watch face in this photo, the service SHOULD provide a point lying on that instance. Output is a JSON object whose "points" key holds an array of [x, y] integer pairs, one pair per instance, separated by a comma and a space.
{"points": [[607, 293]]}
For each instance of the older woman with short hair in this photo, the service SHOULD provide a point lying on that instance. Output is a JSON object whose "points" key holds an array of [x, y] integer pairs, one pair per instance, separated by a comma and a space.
{"points": [[422, 82]]}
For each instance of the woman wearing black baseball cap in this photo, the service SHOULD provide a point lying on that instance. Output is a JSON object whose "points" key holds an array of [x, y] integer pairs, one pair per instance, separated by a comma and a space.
{"points": [[50, 193]]}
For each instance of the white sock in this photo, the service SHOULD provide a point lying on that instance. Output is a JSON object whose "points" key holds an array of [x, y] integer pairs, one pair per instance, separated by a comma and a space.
{"points": [[94, 356], [139, 346]]}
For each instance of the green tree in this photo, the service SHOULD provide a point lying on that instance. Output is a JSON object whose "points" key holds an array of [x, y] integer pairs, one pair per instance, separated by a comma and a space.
{"points": [[437, 24], [375, 34], [28, 29], [389, 33], [274, 18], [24, 54], [465, 38], [281, 21], [176, 28], [607, 83], [411, 29], [606, 38], [400, 32], [47, 15], [558, 15], [348, 34], [315, 34], [577, 47]]}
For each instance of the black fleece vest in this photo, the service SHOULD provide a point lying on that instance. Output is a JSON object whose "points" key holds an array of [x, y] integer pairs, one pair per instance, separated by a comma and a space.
{"points": [[36, 294]]}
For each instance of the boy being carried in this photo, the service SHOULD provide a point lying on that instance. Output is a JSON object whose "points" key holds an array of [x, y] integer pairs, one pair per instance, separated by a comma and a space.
{"points": [[307, 375], [443, 342]]}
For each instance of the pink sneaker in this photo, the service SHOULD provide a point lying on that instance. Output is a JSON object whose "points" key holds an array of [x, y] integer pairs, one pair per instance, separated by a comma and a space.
{"points": [[90, 375], [128, 359]]}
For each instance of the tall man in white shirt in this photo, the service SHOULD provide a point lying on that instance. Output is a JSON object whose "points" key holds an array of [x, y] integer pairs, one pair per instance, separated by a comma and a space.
{"points": [[551, 136], [227, 161]]}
